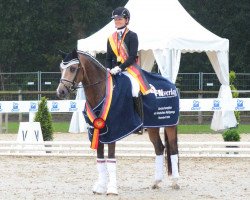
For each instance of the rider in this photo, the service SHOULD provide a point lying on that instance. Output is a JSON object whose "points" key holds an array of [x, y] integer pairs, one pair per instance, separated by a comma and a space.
{"points": [[121, 56]]}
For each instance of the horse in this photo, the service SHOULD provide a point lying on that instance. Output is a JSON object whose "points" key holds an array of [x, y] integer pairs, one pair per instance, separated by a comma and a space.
{"points": [[79, 66]]}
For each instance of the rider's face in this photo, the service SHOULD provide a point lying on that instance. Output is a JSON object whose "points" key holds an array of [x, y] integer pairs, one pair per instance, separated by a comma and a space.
{"points": [[120, 22]]}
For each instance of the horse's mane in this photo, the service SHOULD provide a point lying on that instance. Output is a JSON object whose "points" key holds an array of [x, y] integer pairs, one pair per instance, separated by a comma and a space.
{"points": [[92, 59], [73, 56]]}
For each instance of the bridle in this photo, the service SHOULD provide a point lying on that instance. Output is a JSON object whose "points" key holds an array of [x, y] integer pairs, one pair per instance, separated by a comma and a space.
{"points": [[74, 85]]}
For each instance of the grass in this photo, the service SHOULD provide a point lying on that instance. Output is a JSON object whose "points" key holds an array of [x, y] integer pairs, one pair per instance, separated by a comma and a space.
{"points": [[190, 129], [182, 129], [199, 129], [57, 127]]}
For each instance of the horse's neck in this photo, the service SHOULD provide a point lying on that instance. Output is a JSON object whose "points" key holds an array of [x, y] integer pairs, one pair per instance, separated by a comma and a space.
{"points": [[94, 79], [93, 97]]}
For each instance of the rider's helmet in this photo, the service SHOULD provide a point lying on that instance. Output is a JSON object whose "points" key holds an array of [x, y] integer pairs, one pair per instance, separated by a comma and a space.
{"points": [[121, 12]]}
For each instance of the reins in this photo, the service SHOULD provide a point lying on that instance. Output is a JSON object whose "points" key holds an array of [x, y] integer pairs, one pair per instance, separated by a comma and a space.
{"points": [[99, 64], [96, 83]]}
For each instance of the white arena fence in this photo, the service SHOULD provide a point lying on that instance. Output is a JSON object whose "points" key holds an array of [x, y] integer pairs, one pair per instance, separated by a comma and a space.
{"points": [[130, 149], [123, 149]]}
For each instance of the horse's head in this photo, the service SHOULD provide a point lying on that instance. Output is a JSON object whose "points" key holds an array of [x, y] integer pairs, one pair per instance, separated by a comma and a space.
{"points": [[71, 76], [77, 67]]}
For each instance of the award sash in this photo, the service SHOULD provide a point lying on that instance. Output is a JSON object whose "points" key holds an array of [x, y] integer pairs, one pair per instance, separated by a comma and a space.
{"points": [[120, 50], [99, 122]]}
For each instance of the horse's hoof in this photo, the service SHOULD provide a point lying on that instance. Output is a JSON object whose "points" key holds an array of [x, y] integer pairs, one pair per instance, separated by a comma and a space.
{"points": [[112, 191], [97, 193], [112, 194], [175, 186], [156, 185], [99, 189]]}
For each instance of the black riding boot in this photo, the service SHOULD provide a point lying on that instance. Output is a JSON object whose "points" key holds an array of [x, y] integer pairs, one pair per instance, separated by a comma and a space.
{"points": [[138, 105]]}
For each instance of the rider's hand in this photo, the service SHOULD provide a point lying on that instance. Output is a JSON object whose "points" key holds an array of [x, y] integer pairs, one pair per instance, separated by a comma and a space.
{"points": [[115, 70]]}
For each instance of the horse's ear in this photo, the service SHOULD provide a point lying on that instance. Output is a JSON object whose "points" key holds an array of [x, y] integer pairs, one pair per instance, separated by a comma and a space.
{"points": [[74, 53], [63, 54]]}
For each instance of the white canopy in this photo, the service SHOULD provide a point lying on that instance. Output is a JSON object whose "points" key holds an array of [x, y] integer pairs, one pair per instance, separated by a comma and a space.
{"points": [[165, 30]]}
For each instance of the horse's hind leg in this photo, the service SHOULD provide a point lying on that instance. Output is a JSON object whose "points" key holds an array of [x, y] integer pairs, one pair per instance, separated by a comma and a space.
{"points": [[100, 186], [171, 143], [155, 138], [111, 166]]}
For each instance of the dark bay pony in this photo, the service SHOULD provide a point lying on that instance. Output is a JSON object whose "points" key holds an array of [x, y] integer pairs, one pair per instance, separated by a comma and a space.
{"points": [[81, 67]]}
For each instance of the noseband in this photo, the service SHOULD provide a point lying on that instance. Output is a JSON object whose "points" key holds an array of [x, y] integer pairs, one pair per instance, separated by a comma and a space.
{"points": [[73, 83]]}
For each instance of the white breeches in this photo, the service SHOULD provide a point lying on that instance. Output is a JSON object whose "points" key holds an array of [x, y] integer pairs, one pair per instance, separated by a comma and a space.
{"points": [[134, 83]]}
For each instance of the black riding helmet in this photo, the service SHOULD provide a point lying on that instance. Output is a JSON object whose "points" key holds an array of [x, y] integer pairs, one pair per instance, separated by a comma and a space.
{"points": [[121, 12]]}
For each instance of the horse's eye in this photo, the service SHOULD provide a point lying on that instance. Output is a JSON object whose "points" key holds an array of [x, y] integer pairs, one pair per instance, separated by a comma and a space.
{"points": [[72, 69]]}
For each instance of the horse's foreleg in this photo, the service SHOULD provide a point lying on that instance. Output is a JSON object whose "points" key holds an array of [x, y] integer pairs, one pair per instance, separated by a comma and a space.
{"points": [[111, 166], [171, 141], [100, 186], [155, 138]]}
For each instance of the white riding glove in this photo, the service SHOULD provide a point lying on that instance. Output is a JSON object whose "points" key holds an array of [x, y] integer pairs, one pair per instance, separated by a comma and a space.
{"points": [[115, 70]]}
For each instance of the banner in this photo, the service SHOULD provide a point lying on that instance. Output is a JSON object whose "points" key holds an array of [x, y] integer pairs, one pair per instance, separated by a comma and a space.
{"points": [[57, 106]]}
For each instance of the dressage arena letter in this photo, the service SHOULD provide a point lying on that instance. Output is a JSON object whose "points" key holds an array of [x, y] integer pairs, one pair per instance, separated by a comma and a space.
{"points": [[30, 132]]}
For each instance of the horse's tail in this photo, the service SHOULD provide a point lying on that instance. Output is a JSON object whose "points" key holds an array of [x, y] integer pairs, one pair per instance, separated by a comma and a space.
{"points": [[171, 147]]}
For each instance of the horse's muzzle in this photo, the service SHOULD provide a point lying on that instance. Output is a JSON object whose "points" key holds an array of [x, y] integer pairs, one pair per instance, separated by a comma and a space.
{"points": [[62, 92]]}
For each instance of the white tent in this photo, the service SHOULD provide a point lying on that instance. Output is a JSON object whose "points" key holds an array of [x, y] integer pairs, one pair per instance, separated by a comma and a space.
{"points": [[78, 123], [165, 30]]}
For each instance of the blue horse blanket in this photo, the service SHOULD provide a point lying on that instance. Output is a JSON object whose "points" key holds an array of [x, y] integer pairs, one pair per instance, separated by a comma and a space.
{"points": [[122, 119], [161, 108]]}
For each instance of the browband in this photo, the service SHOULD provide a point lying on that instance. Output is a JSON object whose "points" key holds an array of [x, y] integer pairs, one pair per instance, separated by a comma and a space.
{"points": [[65, 65]]}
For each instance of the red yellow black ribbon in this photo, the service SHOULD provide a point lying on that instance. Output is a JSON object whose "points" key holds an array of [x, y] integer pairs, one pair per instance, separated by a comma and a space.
{"points": [[99, 122], [122, 52], [118, 45]]}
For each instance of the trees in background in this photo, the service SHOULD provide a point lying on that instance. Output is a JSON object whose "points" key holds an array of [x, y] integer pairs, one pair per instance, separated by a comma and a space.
{"points": [[32, 31], [227, 19]]}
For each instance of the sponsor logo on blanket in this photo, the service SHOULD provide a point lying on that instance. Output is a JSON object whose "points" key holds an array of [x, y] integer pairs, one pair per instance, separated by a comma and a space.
{"points": [[163, 93]]}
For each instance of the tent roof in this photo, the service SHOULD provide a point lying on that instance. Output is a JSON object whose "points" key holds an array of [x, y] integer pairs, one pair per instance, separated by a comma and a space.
{"points": [[160, 24]]}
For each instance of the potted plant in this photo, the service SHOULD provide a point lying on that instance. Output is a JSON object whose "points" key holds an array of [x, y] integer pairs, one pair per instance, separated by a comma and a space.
{"points": [[231, 135], [44, 117]]}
